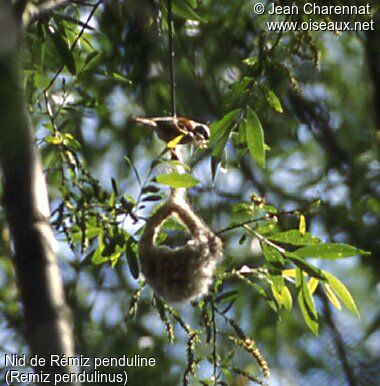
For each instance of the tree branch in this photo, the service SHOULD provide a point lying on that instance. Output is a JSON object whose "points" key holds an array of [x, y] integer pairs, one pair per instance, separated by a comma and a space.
{"points": [[25, 201]]}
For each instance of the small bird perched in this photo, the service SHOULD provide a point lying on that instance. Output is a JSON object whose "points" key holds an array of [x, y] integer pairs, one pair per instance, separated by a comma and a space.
{"points": [[170, 128]]}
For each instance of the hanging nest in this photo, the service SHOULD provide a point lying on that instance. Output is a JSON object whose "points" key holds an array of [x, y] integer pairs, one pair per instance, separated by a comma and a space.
{"points": [[183, 273]]}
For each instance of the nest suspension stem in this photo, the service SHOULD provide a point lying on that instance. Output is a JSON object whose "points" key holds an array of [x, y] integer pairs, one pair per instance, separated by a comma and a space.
{"points": [[171, 59]]}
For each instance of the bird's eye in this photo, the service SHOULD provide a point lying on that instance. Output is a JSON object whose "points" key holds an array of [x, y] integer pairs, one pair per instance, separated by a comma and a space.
{"points": [[203, 131]]}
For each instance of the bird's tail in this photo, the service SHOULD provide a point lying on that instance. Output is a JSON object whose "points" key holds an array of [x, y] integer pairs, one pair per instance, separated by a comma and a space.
{"points": [[145, 121]]}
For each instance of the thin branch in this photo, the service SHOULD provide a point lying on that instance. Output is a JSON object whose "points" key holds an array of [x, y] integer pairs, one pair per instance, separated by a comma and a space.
{"points": [[279, 36], [74, 21], [239, 225], [266, 241], [214, 342]]}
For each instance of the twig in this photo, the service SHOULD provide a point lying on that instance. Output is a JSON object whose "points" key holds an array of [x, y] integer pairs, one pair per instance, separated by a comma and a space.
{"points": [[74, 21], [279, 36], [266, 241], [214, 348], [239, 225]]}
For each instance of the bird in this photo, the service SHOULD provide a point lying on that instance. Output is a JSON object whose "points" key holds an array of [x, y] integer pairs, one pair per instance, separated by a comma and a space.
{"points": [[173, 128]]}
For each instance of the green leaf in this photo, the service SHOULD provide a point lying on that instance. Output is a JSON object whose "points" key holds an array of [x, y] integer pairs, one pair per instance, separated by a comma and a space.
{"points": [[274, 102], [242, 239], [98, 258], [132, 165], [71, 142], [289, 273], [120, 78], [112, 199], [175, 180], [244, 208], [272, 255], [129, 200], [183, 9], [282, 296], [214, 166], [313, 284], [302, 225], [152, 197], [331, 296], [175, 163], [287, 300], [329, 251], [277, 279], [306, 303], [342, 292], [93, 231], [114, 186], [269, 209], [150, 189], [269, 226], [226, 296], [132, 258], [255, 137], [305, 266], [92, 55], [53, 140], [280, 291], [114, 257], [63, 50], [192, 3], [309, 301], [241, 135], [252, 61], [220, 132], [312, 324], [30, 86], [294, 237]]}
